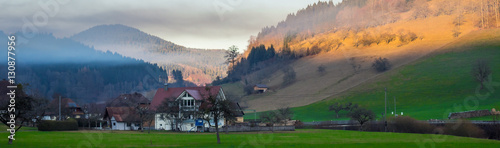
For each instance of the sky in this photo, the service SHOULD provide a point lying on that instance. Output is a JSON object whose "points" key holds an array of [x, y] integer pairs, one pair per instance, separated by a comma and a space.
{"points": [[204, 24]]}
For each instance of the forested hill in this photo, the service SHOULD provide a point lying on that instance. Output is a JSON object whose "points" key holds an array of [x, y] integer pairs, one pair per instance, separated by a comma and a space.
{"points": [[69, 68], [199, 66], [357, 15]]}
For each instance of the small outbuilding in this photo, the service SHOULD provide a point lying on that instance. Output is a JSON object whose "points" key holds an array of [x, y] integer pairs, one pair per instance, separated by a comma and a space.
{"points": [[261, 88]]}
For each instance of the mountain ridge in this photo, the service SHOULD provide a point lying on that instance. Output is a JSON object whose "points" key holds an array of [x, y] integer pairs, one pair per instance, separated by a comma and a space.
{"points": [[200, 66]]}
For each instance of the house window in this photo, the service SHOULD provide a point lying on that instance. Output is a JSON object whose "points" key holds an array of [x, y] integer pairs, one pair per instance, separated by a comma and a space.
{"points": [[161, 125], [114, 124], [192, 124], [128, 124], [189, 102]]}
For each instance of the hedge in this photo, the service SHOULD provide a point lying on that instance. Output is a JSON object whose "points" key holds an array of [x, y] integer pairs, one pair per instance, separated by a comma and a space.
{"points": [[68, 125]]}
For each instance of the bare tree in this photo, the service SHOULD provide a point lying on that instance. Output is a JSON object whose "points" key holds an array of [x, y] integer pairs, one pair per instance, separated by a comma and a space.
{"points": [[481, 71], [216, 107], [362, 116], [24, 105], [145, 114], [337, 107], [350, 106], [169, 111], [270, 118], [281, 115]]}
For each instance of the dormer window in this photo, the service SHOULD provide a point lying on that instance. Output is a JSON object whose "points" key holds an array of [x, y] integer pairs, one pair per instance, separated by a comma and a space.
{"points": [[188, 102]]}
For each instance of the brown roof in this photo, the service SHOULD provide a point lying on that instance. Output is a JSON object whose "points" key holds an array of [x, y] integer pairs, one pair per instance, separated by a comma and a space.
{"points": [[128, 100], [198, 93], [122, 114]]}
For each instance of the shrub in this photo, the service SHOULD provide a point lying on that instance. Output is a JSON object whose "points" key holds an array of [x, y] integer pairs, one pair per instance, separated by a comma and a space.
{"points": [[381, 64], [299, 124], [492, 131], [408, 37], [367, 40], [463, 128], [456, 32], [67, 125], [387, 38], [289, 76], [249, 89], [322, 70], [405, 124]]}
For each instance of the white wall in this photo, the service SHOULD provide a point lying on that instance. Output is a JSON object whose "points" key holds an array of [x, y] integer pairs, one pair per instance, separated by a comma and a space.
{"points": [[185, 126], [122, 125], [161, 124]]}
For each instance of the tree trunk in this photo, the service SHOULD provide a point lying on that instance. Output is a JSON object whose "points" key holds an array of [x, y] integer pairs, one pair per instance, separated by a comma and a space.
{"points": [[142, 125], [10, 140], [217, 129], [482, 15], [225, 126], [337, 114], [496, 12]]}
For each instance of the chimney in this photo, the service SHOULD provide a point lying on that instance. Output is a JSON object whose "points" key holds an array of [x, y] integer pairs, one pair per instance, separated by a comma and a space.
{"points": [[165, 87]]}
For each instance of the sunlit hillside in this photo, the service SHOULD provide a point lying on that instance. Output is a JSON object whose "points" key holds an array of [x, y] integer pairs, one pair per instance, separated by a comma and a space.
{"points": [[400, 31]]}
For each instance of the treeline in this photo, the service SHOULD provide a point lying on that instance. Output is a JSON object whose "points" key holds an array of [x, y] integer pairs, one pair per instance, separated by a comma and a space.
{"points": [[259, 58], [65, 67], [323, 17]]}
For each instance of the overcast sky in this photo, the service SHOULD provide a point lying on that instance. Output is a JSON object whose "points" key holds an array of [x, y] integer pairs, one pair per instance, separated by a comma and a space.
{"points": [[212, 24]]}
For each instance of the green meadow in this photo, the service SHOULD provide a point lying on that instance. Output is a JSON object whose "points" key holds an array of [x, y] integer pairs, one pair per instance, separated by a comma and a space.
{"points": [[429, 88], [299, 138]]}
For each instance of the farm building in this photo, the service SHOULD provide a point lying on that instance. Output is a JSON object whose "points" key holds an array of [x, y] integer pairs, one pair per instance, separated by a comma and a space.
{"points": [[69, 109], [122, 118], [260, 88]]}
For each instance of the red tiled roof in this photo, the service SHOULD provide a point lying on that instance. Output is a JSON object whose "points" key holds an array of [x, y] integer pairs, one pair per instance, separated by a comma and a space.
{"points": [[199, 93]]}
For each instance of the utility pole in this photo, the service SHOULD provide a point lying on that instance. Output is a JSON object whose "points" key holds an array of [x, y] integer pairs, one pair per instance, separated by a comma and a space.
{"points": [[59, 108], [385, 114], [395, 111]]}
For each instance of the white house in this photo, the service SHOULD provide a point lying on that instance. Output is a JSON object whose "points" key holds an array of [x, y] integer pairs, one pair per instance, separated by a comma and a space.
{"points": [[122, 118], [186, 101]]}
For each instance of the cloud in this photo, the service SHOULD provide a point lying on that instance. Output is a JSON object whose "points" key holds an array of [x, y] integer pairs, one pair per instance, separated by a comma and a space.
{"points": [[194, 23]]}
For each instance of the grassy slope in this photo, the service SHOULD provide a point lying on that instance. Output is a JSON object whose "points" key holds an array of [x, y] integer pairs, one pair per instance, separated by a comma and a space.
{"points": [[299, 138], [340, 76], [428, 88]]}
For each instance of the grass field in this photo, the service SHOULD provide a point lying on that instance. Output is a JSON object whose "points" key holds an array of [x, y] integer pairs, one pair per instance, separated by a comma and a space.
{"points": [[299, 138], [429, 88]]}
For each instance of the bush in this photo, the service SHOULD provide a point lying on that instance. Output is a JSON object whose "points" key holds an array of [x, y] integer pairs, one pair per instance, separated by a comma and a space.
{"points": [[289, 76], [367, 40], [405, 124], [321, 70], [387, 37], [249, 89], [464, 128], [408, 37], [381, 64], [82, 122], [492, 131], [68, 125], [299, 124]]}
